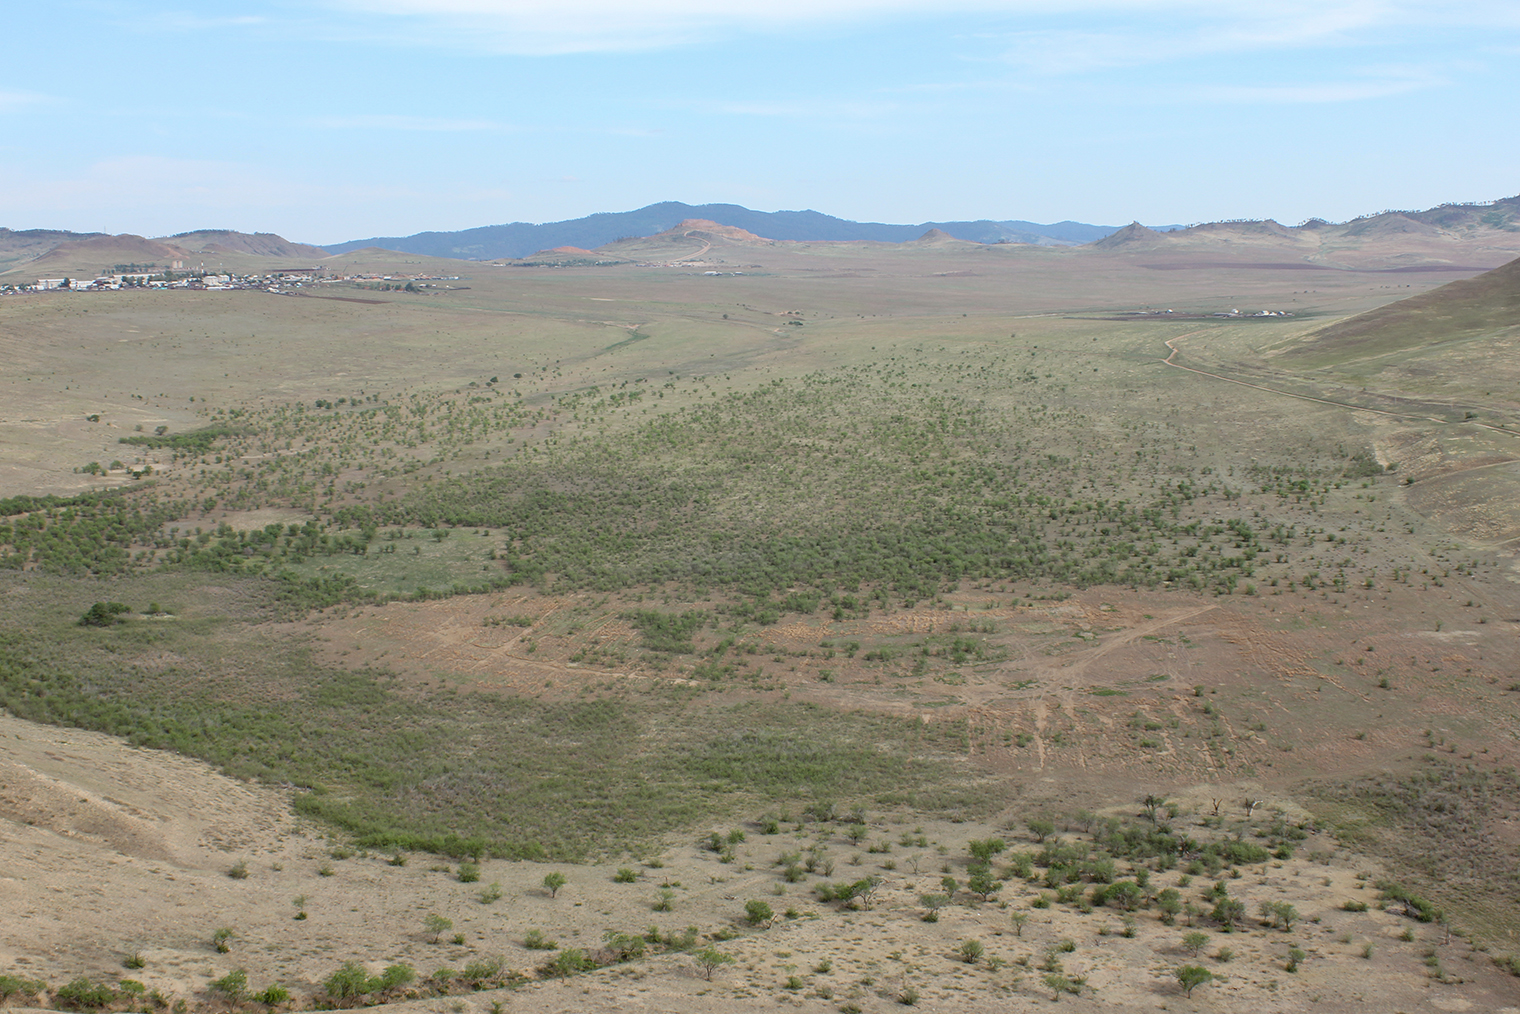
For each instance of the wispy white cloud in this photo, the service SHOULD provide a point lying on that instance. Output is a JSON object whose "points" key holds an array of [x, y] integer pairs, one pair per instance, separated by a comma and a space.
{"points": [[1314, 92], [188, 21], [389, 121], [13, 100], [806, 109], [565, 26]]}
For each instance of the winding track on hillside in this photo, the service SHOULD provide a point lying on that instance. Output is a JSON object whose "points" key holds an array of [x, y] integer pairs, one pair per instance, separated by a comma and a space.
{"points": [[1174, 351]]}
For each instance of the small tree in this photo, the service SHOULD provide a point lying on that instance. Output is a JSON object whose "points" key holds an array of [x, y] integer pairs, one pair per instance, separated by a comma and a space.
{"points": [[233, 985], [1058, 983], [1227, 912], [1018, 919], [982, 883], [553, 882], [436, 925], [984, 849], [1190, 977], [1169, 901], [1281, 914], [933, 902], [865, 890], [1195, 942], [709, 959], [1041, 829]]}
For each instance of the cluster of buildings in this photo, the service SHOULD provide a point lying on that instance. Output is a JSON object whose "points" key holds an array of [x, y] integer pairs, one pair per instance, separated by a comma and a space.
{"points": [[283, 280]]}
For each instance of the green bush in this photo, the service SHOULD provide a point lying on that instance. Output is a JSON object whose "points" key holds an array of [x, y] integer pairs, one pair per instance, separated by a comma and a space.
{"points": [[233, 985], [534, 940], [396, 976], [105, 614], [12, 985], [82, 994], [273, 996], [481, 970], [349, 981], [568, 962]]}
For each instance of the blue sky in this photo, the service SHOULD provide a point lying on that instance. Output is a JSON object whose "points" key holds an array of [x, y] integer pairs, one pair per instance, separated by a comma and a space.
{"points": [[327, 120]]}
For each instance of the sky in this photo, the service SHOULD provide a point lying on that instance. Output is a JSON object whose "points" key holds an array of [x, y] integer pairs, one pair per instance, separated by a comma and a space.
{"points": [[331, 120]]}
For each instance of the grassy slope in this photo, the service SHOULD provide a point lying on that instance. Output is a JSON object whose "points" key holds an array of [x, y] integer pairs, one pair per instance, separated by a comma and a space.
{"points": [[1455, 311]]}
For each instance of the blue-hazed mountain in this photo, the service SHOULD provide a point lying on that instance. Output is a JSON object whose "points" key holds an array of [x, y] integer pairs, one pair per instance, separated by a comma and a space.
{"points": [[522, 238]]}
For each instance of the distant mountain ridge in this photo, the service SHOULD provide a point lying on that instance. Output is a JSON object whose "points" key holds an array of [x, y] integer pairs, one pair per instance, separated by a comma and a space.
{"points": [[519, 239], [1459, 236]]}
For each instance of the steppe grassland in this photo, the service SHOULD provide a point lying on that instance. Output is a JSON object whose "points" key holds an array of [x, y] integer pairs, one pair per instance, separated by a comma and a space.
{"points": [[1081, 409], [814, 953]]}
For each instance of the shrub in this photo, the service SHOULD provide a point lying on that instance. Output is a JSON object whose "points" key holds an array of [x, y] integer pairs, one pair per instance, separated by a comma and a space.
{"points": [[1414, 906], [82, 994], [436, 925], [625, 946], [625, 875], [134, 961], [480, 970], [238, 871], [469, 873], [233, 985], [222, 940], [709, 959], [273, 996], [104, 614], [490, 894], [351, 980], [757, 912], [393, 977], [568, 962], [971, 951], [1190, 977], [534, 940], [13, 985]]}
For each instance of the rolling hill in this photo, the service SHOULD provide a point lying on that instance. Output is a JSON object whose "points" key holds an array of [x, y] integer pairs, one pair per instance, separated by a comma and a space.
{"points": [[40, 253], [1460, 309]]}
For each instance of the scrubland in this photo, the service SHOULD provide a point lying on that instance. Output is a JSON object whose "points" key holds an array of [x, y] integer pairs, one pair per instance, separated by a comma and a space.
{"points": [[799, 587]]}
